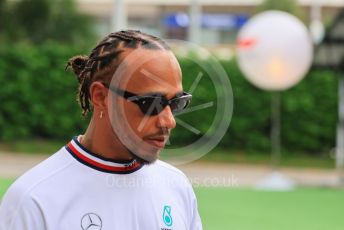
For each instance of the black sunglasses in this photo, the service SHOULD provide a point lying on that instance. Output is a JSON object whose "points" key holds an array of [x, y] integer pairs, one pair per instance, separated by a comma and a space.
{"points": [[152, 104]]}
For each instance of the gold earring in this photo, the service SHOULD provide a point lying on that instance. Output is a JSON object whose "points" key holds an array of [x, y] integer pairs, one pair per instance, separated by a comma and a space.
{"points": [[101, 114]]}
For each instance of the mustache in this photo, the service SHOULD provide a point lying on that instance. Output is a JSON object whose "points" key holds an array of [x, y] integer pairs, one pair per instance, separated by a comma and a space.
{"points": [[162, 132]]}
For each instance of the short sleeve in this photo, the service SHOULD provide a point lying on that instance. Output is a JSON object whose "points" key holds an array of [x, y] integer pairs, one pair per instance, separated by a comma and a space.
{"points": [[20, 212], [195, 222]]}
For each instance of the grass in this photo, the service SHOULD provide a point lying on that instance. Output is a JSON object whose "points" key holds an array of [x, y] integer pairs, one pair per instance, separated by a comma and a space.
{"points": [[244, 209], [4, 184]]}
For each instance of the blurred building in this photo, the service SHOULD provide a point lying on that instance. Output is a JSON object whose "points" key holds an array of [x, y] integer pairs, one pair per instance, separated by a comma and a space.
{"points": [[220, 20]]}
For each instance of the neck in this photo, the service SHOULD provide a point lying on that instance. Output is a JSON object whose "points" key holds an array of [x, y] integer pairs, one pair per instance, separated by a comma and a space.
{"points": [[100, 139]]}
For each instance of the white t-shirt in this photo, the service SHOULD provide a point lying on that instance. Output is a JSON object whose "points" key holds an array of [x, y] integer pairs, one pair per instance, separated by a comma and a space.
{"points": [[76, 189]]}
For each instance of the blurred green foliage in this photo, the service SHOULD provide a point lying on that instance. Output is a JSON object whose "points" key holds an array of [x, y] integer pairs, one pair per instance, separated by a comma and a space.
{"points": [[35, 21], [37, 37], [38, 99], [289, 6], [204, 92], [309, 112]]}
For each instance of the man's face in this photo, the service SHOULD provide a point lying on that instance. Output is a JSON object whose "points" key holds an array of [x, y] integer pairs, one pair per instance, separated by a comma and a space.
{"points": [[159, 73]]}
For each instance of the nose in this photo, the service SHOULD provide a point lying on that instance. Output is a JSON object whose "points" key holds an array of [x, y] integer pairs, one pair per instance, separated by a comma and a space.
{"points": [[166, 119]]}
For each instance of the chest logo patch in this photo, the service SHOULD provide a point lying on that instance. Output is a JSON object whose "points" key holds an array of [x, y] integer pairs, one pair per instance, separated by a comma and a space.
{"points": [[91, 221], [166, 216]]}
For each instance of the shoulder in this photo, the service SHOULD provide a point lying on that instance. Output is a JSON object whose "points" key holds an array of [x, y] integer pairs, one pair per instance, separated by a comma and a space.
{"points": [[35, 177], [168, 169], [169, 175], [20, 205]]}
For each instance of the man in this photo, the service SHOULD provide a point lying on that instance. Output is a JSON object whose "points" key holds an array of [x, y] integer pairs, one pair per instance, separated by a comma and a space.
{"points": [[109, 178]]}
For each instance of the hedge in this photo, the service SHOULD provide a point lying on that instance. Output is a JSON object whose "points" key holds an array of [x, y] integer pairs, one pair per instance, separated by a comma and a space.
{"points": [[38, 100]]}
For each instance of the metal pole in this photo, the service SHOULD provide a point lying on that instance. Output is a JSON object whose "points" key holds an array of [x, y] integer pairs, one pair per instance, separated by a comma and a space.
{"points": [[340, 130], [119, 16], [316, 26], [275, 128], [195, 13]]}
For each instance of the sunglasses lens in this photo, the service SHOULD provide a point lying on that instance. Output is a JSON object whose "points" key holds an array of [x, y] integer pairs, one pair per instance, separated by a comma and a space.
{"points": [[178, 104], [150, 106], [153, 105]]}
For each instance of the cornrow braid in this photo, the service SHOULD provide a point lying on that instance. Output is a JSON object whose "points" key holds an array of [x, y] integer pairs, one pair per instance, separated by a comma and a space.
{"points": [[105, 58]]}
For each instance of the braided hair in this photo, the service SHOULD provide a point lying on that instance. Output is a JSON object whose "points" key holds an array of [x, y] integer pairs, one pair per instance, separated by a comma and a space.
{"points": [[105, 58]]}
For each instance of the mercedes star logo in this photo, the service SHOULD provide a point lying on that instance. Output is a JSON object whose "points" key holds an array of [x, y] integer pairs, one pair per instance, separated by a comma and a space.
{"points": [[91, 221]]}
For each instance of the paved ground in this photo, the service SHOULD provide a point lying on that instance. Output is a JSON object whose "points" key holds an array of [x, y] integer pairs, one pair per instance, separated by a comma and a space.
{"points": [[250, 175], [200, 173]]}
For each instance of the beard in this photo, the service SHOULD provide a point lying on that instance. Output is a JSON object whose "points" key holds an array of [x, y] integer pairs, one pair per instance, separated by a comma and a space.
{"points": [[140, 160], [142, 151], [144, 158], [137, 147]]}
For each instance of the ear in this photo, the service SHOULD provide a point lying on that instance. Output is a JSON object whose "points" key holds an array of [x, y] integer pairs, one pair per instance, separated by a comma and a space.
{"points": [[98, 96]]}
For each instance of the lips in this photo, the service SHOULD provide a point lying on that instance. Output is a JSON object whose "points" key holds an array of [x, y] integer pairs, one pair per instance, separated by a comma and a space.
{"points": [[158, 142]]}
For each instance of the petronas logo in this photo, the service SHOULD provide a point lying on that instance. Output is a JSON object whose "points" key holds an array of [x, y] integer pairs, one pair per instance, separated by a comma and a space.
{"points": [[166, 216]]}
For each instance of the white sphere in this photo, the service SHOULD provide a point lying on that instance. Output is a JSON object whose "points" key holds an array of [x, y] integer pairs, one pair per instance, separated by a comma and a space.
{"points": [[274, 50]]}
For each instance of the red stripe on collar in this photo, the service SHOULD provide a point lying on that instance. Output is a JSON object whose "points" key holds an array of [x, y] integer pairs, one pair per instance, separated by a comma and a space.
{"points": [[100, 164]]}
